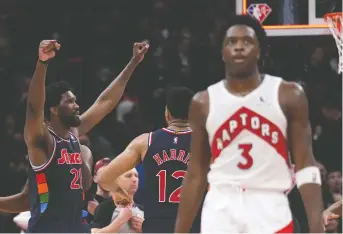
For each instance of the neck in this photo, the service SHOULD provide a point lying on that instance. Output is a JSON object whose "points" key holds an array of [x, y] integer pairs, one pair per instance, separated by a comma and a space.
{"points": [[178, 125], [59, 128], [243, 76], [243, 83], [102, 193]]}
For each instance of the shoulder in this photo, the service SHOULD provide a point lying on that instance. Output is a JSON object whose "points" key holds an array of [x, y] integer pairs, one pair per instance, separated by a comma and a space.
{"points": [[85, 149], [292, 97], [103, 214], [200, 101], [105, 207], [201, 96], [292, 88], [141, 139], [139, 206], [199, 108]]}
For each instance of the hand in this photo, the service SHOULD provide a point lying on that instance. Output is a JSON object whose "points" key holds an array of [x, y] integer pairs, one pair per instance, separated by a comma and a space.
{"points": [[125, 214], [139, 50], [328, 215], [92, 206], [47, 49], [136, 223]]}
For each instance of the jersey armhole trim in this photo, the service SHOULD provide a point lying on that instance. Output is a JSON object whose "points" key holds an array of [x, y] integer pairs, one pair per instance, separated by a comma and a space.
{"points": [[278, 106], [149, 139], [46, 164]]}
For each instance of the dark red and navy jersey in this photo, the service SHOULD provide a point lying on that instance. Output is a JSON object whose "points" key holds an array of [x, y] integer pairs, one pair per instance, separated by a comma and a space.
{"points": [[164, 167], [55, 190]]}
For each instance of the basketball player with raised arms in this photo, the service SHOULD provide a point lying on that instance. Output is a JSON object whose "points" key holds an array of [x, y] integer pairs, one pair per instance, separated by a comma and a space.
{"points": [[248, 123], [58, 170], [165, 155]]}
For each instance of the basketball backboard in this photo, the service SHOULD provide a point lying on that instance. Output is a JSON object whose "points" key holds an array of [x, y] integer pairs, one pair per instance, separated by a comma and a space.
{"points": [[290, 17]]}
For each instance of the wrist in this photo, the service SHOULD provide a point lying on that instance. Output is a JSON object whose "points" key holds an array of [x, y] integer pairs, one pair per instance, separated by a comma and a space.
{"points": [[43, 62], [135, 61]]}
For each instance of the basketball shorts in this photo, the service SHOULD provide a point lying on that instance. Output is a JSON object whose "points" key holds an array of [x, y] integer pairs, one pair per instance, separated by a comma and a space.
{"points": [[236, 210], [165, 225]]}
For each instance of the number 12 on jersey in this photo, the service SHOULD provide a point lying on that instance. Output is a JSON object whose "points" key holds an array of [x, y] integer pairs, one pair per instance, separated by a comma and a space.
{"points": [[174, 197]]}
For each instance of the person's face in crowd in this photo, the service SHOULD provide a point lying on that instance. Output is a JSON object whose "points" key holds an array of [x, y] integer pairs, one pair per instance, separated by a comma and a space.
{"points": [[334, 181], [129, 181]]}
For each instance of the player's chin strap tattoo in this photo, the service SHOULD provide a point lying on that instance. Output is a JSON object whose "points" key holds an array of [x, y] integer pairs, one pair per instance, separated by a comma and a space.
{"points": [[308, 175]]}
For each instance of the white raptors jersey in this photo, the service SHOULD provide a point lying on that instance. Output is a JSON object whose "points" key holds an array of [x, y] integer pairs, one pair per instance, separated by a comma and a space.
{"points": [[247, 136]]}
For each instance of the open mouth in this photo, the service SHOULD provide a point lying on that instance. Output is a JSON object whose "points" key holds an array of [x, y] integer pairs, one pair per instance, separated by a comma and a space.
{"points": [[238, 59]]}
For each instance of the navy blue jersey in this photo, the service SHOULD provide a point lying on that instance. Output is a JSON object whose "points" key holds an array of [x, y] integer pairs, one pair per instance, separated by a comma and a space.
{"points": [[164, 167], [55, 190]]}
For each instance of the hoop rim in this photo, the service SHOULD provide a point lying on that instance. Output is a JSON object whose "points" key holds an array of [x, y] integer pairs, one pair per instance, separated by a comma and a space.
{"points": [[332, 15]]}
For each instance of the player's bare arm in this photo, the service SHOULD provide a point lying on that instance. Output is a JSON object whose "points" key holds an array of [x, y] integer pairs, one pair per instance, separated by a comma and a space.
{"points": [[295, 105], [16, 203], [110, 97], [128, 159], [87, 163], [37, 137], [195, 181]]}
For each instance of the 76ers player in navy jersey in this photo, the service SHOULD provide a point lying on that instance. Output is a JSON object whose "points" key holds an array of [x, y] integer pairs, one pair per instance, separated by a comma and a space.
{"points": [[165, 155], [247, 122], [59, 174]]}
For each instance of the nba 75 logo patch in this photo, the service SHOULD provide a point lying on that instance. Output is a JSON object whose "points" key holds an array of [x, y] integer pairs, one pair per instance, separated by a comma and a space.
{"points": [[259, 11]]}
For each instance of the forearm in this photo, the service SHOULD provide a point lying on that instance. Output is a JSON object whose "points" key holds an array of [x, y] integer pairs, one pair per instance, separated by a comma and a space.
{"points": [[191, 196], [36, 92], [311, 195], [112, 227], [14, 204], [115, 90]]}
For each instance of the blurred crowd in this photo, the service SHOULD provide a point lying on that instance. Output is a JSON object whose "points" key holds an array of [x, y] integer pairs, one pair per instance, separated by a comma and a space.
{"points": [[185, 38]]}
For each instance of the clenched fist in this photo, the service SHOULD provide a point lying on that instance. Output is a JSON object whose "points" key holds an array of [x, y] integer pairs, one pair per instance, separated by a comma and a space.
{"points": [[139, 50], [47, 49]]}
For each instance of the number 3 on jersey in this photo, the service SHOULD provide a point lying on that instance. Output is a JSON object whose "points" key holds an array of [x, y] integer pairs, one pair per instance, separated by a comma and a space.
{"points": [[245, 149], [76, 183], [174, 197]]}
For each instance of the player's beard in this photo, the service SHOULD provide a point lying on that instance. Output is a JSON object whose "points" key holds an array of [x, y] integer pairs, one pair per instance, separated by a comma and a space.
{"points": [[70, 120]]}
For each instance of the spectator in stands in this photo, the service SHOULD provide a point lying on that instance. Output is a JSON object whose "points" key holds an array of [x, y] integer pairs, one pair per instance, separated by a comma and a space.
{"points": [[100, 195], [334, 182], [120, 214]]}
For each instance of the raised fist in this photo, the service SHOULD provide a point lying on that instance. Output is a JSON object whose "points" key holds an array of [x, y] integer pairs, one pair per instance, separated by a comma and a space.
{"points": [[139, 50], [47, 49]]}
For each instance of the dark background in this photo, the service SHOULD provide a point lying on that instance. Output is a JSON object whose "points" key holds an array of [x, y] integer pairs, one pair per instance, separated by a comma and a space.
{"points": [[186, 39]]}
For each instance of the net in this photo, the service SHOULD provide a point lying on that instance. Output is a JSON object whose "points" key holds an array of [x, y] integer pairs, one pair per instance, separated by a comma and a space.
{"points": [[334, 20]]}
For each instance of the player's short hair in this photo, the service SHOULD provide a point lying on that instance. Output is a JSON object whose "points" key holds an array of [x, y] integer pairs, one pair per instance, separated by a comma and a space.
{"points": [[251, 22], [178, 100], [53, 93]]}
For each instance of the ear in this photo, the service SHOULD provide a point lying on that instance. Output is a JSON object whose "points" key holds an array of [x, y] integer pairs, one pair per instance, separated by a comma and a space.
{"points": [[167, 115], [223, 55]]}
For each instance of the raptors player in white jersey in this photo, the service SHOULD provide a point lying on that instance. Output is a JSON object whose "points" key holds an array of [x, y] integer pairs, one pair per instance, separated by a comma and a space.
{"points": [[249, 122]]}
